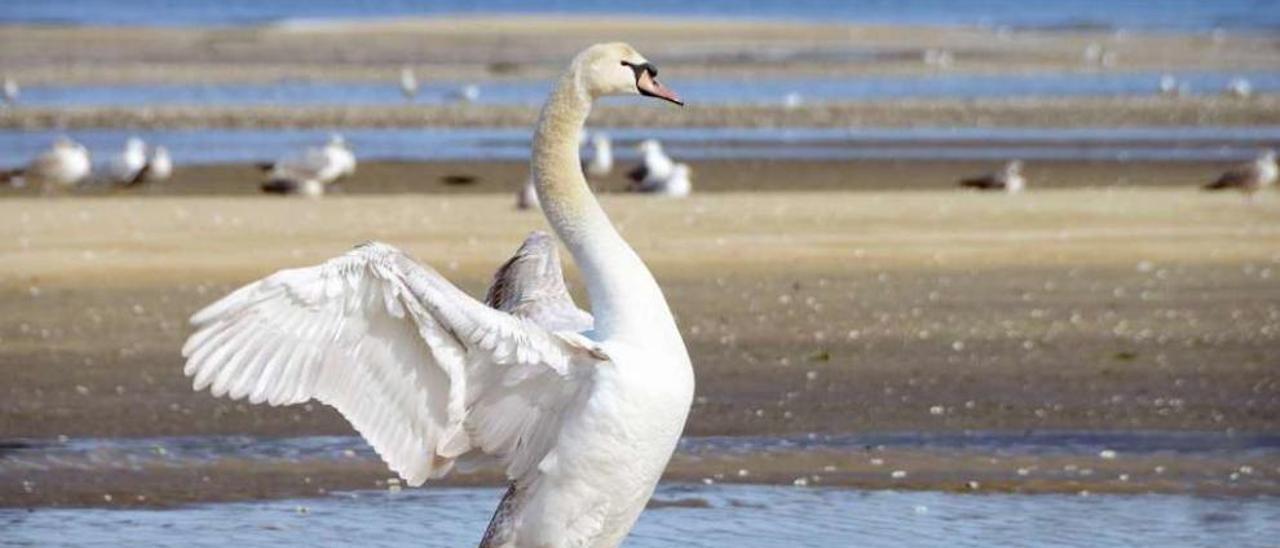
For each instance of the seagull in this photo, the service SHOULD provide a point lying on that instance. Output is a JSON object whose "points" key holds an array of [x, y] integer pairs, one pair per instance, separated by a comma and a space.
{"points": [[64, 165], [159, 167], [466, 94], [601, 162], [126, 167], [408, 83], [583, 415], [1009, 179], [1248, 178], [527, 196], [654, 163], [324, 165], [1171, 87], [675, 185], [1239, 88], [10, 90]]}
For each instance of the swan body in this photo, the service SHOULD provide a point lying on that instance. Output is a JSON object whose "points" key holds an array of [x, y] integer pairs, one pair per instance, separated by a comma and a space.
{"points": [[583, 416], [1009, 179], [64, 165]]}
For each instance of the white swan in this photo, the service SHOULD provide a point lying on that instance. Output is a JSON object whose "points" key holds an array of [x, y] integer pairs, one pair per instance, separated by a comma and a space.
{"points": [[654, 163], [125, 168], [408, 83], [1009, 179], [64, 165], [601, 162], [583, 422]]}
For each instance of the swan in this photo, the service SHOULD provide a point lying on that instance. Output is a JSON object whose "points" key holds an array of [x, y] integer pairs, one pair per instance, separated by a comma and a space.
{"points": [[126, 167], [654, 163], [1249, 178], [601, 162], [583, 420], [1009, 179], [408, 83], [676, 184], [64, 165]]}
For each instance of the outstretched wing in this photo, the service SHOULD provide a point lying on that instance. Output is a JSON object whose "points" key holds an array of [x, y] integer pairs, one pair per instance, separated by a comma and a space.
{"points": [[423, 371], [531, 285]]}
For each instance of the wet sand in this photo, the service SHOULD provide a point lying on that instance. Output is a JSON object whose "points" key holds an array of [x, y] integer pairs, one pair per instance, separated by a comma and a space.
{"points": [[805, 311], [708, 176]]}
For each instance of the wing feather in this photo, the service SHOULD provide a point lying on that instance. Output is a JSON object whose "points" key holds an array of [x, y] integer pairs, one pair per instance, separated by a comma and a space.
{"points": [[420, 369]]}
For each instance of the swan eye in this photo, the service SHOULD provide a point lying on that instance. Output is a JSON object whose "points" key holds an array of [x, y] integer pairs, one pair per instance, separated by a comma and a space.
{"points": [[641, 68]]}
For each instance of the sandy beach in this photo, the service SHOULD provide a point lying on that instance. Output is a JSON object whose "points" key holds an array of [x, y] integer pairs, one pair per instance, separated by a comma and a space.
{"points": [[1136, 309]]}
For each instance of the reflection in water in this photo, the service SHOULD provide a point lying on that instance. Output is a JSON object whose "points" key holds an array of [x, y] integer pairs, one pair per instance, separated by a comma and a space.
{"points": [[685, 515]]}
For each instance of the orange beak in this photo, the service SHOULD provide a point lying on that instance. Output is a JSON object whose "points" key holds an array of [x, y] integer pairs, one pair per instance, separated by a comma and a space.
{"points": [[650, 86]]}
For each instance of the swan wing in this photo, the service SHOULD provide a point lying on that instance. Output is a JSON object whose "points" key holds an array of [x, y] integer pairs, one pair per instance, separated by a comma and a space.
{"points": [[422, 370], [531, 285]]}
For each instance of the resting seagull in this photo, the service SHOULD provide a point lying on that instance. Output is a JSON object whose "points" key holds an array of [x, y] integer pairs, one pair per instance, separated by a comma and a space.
{"points": [[1009, 179], [654, 163], [63, 166], [583, 422], [1248, 178]]}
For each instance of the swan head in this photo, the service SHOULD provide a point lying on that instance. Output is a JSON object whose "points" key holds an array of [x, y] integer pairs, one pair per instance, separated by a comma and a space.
{"points": [[618, 69]]}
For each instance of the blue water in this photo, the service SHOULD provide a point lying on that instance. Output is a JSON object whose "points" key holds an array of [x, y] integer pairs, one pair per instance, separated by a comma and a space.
{"points": [[695, 91], [425, 144], [1180, 15], [685, 515]]}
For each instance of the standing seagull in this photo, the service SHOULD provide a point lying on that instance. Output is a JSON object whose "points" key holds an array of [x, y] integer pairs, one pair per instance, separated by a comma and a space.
{"points": [[583, 422], [63, 166], [126, 167], [527, 196], [408, 83], [323, 165], [1009, 179], [159, 167], [601, 162], [654, 163], [10, 91], [1248, 178]]}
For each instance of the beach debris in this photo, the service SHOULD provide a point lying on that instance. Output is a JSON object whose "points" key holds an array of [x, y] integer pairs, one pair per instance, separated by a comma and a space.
{"points": [[800, 482], [937, 410], [1107, 454], [898, 474]]}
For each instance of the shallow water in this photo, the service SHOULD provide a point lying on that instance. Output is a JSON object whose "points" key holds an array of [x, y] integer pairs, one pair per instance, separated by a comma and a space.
{"points": [[695, 91], [687, 515], [1165, 15], [424, 144]]}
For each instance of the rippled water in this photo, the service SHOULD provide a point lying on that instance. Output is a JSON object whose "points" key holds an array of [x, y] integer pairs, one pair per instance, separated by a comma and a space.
{"points": [[420, 144], [683, 515], [695, 91]]}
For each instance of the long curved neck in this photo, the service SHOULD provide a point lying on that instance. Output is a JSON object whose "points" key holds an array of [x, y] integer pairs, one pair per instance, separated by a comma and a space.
{"points": [[625, 299]]}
